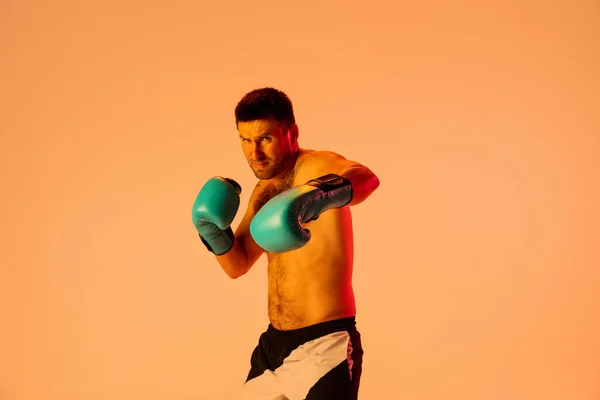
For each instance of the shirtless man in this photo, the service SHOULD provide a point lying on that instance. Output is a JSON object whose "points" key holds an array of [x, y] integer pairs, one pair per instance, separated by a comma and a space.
{"points": [[299, 214]]}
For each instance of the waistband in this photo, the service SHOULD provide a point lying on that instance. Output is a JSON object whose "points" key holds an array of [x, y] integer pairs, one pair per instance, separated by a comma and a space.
{"points": [[316, 330]]}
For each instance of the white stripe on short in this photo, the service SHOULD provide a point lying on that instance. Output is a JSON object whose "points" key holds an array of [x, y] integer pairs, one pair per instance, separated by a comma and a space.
{"points": [[301, 369]]}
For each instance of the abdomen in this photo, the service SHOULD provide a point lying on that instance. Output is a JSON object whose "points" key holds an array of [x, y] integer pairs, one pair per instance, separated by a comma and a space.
{"points": [[314, 283]]}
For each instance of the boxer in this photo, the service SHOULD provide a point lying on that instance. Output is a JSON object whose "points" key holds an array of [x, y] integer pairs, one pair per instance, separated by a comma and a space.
{"points": [[299, 214]]}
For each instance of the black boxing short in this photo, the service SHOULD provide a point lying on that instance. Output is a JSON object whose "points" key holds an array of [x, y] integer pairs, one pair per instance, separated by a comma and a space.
{"points": [[317, 362]]}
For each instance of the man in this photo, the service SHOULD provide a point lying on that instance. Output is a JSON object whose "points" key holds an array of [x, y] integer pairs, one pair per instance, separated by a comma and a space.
{"points": [[299, 214]]}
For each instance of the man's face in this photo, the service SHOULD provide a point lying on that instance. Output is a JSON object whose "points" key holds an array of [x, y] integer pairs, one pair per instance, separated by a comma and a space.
{"points": [[268, 146]]}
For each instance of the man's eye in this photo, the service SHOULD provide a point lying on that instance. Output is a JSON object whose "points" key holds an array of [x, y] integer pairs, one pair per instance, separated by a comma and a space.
{"points": [[267, 139]]}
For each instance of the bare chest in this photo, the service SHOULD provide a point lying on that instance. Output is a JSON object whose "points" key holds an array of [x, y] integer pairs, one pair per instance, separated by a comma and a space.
{"points": [[313, 283], [325, 261]]}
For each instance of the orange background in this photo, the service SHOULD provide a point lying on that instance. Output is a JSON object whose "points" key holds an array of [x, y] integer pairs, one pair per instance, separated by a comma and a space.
{"points": [[477, 259]]}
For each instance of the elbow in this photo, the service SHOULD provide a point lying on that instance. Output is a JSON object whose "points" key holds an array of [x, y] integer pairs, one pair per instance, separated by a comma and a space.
{"points": [[235, 273], [235, 262], [374, 183], [231, 275], [363, 189]]}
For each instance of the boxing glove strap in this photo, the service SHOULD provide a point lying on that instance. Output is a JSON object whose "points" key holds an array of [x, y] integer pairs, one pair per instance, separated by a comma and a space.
{"points": [[338, 187], [224, 242], [235, 185]]}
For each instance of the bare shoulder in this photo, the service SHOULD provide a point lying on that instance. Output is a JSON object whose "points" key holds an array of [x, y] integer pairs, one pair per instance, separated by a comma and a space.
{"points": [[320, 157], [319, 162]]}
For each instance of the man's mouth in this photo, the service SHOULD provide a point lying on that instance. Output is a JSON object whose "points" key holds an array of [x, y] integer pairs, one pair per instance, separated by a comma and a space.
{"points": [[260, 164]]}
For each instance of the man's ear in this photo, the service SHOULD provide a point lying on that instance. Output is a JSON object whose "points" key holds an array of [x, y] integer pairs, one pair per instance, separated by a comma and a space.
{"points": [[294, 133]]}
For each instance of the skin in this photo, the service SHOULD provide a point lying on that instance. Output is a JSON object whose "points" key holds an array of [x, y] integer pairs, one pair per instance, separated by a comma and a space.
{"points": [[314, 283]]}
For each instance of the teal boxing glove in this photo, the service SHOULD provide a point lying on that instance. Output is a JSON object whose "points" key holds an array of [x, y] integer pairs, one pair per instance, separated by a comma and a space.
{"points": [[214, 210], [277, 226]]}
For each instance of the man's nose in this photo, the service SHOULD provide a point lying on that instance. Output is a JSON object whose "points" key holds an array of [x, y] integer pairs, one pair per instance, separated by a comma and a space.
{"points": [[255, 151]]}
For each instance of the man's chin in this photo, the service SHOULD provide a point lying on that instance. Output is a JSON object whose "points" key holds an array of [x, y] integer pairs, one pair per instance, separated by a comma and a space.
{"points": [[263, 175]]}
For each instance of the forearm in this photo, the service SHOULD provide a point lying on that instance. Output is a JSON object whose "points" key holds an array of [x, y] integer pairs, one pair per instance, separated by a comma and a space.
{"points": [[235, 262], [363, 180]]}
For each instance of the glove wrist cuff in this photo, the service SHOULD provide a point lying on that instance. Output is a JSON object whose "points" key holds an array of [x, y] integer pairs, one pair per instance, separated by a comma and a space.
{"points": [[220, 244], [337, 187]]}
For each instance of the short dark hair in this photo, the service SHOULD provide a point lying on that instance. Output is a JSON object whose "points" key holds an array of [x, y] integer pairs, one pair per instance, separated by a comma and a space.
{"points": [[265, 103]]}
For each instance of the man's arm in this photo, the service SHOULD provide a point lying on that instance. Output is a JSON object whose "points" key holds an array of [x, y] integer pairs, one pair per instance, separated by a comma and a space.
{"points": [[363, 180], [245, 252], [277, 227]]}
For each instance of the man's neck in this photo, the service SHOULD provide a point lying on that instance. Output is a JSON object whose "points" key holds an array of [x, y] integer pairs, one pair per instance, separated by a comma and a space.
{"points": [[288, 173]]}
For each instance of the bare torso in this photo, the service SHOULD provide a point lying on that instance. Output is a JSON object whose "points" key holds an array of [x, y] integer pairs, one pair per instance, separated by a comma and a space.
{"points": [[314, 283]]}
